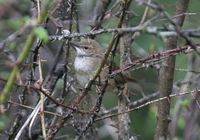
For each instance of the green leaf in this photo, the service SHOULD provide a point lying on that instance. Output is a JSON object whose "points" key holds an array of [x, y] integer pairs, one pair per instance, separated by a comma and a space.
{"points": [[42, 34], [185, 102], [181, 123]]}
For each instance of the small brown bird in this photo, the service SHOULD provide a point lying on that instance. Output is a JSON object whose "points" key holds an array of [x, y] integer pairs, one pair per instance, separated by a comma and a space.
{"points": [[89, 55]]}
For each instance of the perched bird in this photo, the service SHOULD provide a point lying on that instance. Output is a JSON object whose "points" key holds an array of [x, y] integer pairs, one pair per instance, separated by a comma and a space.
{"points": [[89, 55]]}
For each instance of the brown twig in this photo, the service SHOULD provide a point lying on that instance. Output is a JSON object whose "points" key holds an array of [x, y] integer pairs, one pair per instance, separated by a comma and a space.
{"points": [[160, 99], [158, 55], [167, 74]]}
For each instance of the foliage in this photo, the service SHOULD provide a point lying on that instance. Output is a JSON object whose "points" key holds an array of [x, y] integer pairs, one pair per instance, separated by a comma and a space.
{"points": [[36, 68]]}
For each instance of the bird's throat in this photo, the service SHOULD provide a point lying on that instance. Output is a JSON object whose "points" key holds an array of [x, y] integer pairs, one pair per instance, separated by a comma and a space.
{"points": [[85, 67], [86, 64]]}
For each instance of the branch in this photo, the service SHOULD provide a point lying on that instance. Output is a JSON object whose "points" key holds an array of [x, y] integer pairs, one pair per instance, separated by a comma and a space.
{"points": [[26, 49], [146, 61], [167, 74], [131, 105], [148, 103]]}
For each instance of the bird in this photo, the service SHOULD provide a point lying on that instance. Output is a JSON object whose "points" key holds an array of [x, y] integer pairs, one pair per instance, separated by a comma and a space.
{"points": [[89, 54]]}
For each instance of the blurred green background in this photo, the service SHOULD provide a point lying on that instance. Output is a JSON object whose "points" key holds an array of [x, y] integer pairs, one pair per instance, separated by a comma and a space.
{"points": [[15, 13]]}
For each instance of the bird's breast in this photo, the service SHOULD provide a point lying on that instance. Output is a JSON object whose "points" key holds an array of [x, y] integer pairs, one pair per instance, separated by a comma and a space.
{"points": [[86, 64], [85, 68]]}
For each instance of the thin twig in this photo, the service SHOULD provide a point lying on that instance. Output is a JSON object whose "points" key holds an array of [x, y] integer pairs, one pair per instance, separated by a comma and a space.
{"points": [[172, 52], [148, 103], [29, 107]]}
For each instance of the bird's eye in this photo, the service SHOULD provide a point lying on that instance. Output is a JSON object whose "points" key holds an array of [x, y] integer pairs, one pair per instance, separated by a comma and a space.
{"points": [[86, 47]]}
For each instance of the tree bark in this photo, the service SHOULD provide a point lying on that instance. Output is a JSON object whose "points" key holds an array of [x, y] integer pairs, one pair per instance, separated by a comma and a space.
{"points": [[166, 76]]}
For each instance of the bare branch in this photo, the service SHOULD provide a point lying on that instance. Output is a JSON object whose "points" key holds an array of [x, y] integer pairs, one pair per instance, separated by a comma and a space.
{"points": [[166, 76]]}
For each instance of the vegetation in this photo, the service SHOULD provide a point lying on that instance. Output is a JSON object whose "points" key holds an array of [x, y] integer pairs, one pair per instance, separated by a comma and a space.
{"points": [[152, 43]]}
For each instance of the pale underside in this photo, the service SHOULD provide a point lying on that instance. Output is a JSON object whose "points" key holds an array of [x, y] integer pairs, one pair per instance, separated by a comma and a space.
{"points": [[86, 67]]}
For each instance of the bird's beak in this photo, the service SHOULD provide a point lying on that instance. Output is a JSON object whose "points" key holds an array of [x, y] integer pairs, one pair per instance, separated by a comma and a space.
{"points": [[77, 47], [74, 45]]}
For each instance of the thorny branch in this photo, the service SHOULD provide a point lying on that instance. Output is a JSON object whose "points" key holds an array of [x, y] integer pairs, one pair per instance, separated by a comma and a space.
{"points": [[148, 59], [160, 32], [148, 103]]}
